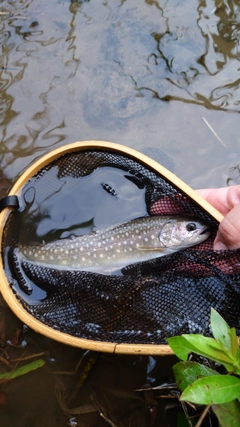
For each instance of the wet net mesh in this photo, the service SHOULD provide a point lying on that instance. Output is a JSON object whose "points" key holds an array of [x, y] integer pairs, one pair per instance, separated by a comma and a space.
{"points": [[149, 301]]}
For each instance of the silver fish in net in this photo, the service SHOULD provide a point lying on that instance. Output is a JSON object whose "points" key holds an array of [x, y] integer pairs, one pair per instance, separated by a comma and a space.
{"points": [[115, 247]]}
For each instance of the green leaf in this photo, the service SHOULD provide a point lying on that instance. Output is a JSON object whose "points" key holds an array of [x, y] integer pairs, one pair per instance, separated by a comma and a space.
{"points": [[208, 347], [180, 347], [225, 336], [204, 346], [213, 390], [228, 414], [23, 370], [187, 373]]}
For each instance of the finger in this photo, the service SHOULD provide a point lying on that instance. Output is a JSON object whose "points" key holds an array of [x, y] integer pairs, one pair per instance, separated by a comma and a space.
{"points": [[223, 199], [217, 197], [228, 235]]}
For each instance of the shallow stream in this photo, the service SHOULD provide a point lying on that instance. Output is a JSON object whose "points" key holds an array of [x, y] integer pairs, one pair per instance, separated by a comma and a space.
{"points": [[162, 77]]}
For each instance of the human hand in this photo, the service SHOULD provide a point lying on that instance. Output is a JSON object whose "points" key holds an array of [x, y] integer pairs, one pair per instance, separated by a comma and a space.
{"points": [[227, 201]]}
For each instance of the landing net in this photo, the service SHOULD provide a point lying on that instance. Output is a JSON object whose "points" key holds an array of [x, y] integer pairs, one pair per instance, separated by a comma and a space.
{"points": [[86, 187]]}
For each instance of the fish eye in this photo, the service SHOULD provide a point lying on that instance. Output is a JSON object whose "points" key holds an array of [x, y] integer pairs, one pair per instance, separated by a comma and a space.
{"points": [[191, 226]]}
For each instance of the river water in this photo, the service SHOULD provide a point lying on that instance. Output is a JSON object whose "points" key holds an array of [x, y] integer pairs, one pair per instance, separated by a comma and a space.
{"points": [[162, 77]]}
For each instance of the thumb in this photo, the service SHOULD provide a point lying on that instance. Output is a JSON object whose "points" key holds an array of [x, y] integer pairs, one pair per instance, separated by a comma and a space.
{"points": [[228, 235]]}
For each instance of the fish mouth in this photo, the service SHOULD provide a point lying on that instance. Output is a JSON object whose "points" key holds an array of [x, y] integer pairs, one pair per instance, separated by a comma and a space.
{"points": [[206, 230]]}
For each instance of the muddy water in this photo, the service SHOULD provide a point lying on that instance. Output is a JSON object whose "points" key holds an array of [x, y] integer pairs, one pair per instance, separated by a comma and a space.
{"points": [[158, 76]]}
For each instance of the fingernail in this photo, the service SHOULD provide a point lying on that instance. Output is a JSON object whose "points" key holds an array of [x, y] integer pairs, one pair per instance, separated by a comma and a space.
{"points": [[219, 246]]}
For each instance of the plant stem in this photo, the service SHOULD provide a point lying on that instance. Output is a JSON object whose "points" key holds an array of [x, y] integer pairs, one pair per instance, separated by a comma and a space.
{"points": [[203, 416]]}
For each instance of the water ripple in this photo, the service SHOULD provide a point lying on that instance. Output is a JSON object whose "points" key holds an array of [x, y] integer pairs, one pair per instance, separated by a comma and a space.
{"points": [[89, 68]]}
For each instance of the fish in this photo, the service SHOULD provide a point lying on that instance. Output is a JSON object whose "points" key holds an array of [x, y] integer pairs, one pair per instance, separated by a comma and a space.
{"points": [[113, 248]]}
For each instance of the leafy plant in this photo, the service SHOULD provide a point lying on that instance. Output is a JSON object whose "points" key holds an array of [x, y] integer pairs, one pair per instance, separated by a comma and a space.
{"points": [[23, 370], [202, 385]]}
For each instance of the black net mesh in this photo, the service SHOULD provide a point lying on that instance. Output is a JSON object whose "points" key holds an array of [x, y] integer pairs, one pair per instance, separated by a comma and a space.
{"points": [[148, 301]]}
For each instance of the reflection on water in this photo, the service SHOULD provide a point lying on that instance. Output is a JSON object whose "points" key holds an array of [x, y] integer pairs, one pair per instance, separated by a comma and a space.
{"points": [[141, 73], [114, 70], [63, 206], [234, 175]]}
